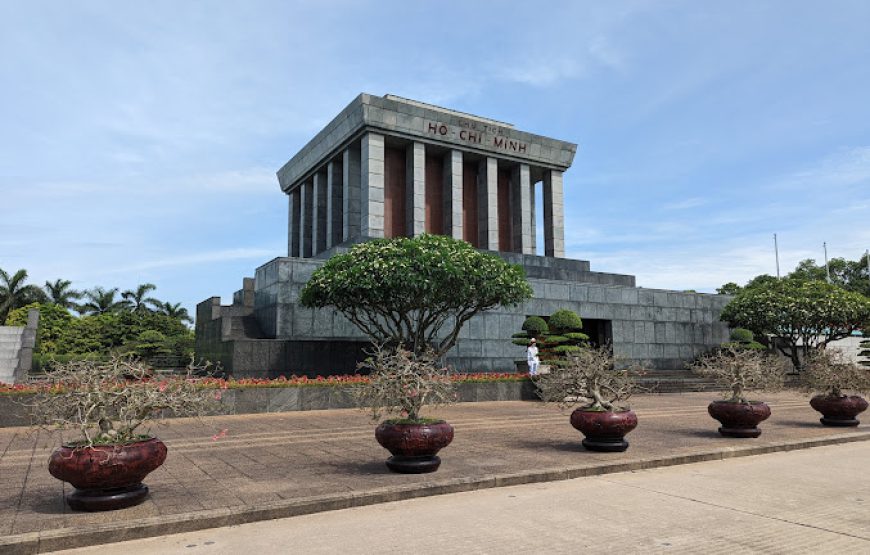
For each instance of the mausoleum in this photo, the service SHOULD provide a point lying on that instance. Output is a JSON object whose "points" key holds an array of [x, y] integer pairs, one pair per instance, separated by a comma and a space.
{"points": [[390, 167]]}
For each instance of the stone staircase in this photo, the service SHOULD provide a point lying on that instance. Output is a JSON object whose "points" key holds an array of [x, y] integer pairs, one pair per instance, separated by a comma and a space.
{"points": [[10, 349], [16, 349], [675, 381]]}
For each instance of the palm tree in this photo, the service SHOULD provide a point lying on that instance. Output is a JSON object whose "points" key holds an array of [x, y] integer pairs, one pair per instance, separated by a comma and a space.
{"points": [[14, 294], [60, 293], [101, 301], [175, 311], [137, 301]]}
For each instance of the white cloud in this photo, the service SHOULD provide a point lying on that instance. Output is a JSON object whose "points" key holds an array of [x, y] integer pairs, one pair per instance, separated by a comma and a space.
{"points": [[224, 255]]}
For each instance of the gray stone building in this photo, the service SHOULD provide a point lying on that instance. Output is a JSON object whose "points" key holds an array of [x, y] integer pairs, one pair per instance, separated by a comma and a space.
{"points": [[388, 167]]}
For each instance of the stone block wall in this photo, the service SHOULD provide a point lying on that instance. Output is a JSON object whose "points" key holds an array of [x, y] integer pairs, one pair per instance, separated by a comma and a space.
{"points": [[662, 328]]}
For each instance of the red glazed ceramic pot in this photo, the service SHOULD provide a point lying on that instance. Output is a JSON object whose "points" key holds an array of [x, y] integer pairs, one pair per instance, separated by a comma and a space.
{"points": [[414, 446], [839, 411], [739, 419], [107, 476], [604, 430]]}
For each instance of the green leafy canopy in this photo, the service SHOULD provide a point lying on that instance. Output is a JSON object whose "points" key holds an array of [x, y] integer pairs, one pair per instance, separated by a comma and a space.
{"points": [[407, 291]]}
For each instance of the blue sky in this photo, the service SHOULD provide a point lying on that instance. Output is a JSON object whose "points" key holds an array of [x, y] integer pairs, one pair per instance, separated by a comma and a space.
{"points": [[139, 141]]}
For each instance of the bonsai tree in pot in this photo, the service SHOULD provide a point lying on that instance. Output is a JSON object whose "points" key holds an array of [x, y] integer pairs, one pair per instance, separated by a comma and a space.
{"points": [[110, 404], [592, 379], [739, 370], [402, 384], [832, 376]]}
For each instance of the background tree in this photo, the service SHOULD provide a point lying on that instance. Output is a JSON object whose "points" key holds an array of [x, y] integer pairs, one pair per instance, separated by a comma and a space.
{"points": [[800, 315], [415, 293], [53, 322], [138, 300], [101, 301], [174, 311], [849, 274], [14, 293], [729, 288], [59, 293]]}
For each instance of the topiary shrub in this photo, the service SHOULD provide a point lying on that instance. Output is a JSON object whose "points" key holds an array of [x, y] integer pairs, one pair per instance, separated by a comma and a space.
{"points": [[564, 321], [535, 326], [742, 338]]}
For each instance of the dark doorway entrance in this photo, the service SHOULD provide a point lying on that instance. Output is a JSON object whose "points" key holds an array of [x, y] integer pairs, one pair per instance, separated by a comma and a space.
{"points": [[600, 332]]}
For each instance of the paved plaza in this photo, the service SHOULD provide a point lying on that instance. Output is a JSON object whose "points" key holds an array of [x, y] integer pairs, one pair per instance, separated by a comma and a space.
{"points": [[286, 464], [745, 505]]}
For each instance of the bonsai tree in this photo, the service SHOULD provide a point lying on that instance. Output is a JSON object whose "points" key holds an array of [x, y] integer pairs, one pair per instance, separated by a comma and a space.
{"points": [[565, 337], [108, 402], [830, 374], [557, 338], [738, 370], [415, 293], [801, 315], [591, 379], [401, 384]]}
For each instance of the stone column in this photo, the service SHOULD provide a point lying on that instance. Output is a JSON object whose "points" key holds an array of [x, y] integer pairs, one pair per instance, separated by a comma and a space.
{"points": [[554, 214], [453, 194], [318, 220], [533, 215], [350, 199], [334, 203], [292, 225], [522, 210], [305, 218], [487, 204], [372, 185], [415, 189]]}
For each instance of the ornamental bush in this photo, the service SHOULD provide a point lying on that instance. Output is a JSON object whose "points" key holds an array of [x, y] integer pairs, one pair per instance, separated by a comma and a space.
{"points": [[800, 315], [415, 293], [744, 339], [535, 326], [565, 321]]}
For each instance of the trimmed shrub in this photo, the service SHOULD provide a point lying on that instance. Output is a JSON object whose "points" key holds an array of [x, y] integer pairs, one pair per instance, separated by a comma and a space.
{"points": [[563, 321], [535, 326]]}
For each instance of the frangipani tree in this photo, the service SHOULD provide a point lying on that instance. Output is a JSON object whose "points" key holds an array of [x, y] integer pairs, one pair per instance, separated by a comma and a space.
{"points": [[802, 315], [415, 293]]}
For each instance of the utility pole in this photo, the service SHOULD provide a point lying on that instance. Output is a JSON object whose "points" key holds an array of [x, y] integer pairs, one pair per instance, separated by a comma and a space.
{"points": [[776, 250], [827, 268]]}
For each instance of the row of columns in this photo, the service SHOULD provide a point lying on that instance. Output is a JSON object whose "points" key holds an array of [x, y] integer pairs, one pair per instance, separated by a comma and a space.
{"points": [[345, 199]]}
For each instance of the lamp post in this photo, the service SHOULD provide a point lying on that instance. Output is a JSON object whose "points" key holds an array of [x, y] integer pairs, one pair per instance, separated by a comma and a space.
{"points": [[827, 268], [776, 250]]}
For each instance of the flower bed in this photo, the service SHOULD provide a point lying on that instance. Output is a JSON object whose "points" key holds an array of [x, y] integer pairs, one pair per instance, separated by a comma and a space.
{"points": [[292, 381], [253, 395]]}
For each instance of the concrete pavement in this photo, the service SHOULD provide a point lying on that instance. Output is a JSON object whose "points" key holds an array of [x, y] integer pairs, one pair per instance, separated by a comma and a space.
{"points": [[813, 501], [278, 465]]}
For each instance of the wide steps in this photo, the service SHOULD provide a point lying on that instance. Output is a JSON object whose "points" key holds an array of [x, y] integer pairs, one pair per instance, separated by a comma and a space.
{"points": [[675, 382]]}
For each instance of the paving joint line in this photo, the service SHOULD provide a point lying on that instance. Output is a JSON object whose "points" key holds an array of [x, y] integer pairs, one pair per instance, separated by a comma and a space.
{"points": [[65, 538]]}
